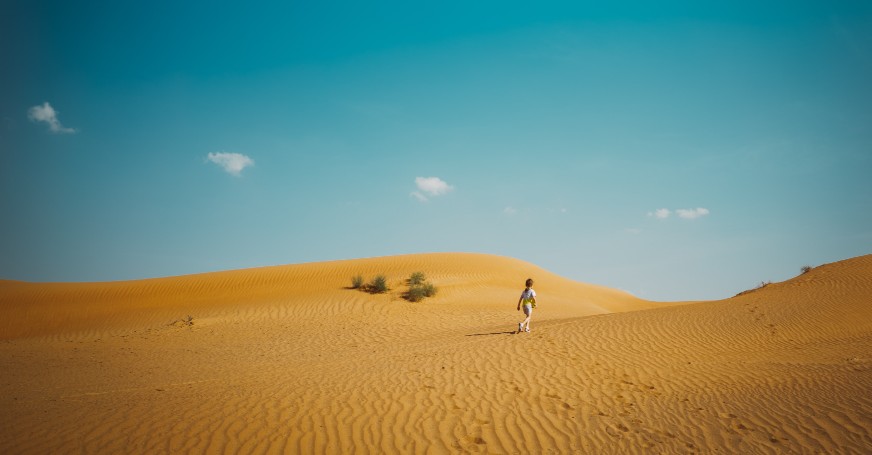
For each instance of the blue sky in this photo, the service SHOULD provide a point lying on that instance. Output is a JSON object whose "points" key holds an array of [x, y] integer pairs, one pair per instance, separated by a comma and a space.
{"points": [[185, 137]]}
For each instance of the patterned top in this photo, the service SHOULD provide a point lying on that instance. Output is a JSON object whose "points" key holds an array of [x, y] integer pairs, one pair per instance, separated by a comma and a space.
{"points": [[529, 297]]}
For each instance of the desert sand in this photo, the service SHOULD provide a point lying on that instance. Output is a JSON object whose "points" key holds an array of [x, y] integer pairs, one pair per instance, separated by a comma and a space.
{"points": [[289, 359]]}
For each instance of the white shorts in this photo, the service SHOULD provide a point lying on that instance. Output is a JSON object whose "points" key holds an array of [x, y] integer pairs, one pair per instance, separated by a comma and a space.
{"points": [[528, 309]]}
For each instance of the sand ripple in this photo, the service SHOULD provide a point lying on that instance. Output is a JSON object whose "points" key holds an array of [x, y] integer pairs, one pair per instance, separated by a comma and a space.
{"points": [[286, 360]]}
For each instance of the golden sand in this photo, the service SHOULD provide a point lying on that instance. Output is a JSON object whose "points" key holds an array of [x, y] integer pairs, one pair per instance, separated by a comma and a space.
{"points": [[288, 359]]}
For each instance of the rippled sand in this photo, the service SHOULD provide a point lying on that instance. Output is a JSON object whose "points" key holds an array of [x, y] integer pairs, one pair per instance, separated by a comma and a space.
{"points": [[288, 359]]}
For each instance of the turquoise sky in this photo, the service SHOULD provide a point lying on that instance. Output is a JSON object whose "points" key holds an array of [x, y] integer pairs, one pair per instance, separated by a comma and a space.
{"points": [[676, 150]]}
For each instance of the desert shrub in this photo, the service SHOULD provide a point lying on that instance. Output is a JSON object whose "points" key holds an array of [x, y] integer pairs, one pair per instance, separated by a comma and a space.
{"points": [[429, 289], [805, 269], [417, 278], [418, 291], [415, 294], [356, 282], [378, 285], [762, 285]]}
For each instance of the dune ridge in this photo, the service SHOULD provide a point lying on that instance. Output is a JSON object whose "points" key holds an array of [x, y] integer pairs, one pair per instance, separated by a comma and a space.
{"points": [[288, 360], [31, 309]]}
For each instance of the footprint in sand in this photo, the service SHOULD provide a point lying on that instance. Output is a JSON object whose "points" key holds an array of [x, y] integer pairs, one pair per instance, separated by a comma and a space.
{"points": [[651, 390], [735, 424], [467, 440], [741, 426]]}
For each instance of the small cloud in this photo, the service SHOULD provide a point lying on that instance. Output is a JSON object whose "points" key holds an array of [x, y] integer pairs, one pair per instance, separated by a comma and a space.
{"points": [[660, 213], [47, 114], [633, 231], [434, 186], [420, 197], [510, 211], [691, 214], [563, 210], [233, 163]]}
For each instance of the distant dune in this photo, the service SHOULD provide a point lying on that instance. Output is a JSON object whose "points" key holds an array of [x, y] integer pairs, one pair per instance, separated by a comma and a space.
{"points": [[289, 359], [471, 281]]}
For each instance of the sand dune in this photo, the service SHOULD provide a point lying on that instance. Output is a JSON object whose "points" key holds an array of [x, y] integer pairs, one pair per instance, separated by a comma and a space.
{"points": [[470, 281], [287, 359]]}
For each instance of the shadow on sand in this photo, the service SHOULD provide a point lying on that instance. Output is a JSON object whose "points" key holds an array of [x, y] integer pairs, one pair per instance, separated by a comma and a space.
{"points": [[511, 332]]}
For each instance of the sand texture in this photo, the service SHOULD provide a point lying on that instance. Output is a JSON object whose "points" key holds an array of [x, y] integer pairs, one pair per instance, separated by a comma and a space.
{"points": [[289, 359]]}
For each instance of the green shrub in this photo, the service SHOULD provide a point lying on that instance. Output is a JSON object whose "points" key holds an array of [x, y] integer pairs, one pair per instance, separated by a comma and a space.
{"points": [[378, 285], [429, 289], [417, 278], [419, 291], [416, 294], [356, 282]]}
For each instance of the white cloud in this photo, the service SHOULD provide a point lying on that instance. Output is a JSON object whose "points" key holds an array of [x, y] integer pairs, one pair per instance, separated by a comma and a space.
{"points": [[47, 114], [690, 214], [687, 214], [434, 186], [420, 197], [633, 231], [510, 210], [660, 213], [233, 163]]}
